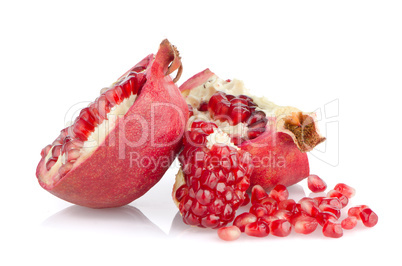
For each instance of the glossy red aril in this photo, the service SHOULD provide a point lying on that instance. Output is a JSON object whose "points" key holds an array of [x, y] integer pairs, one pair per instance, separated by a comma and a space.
{"points": [[349, 222], [288, 205], [257, 229], [332, 229], [98, 161], [244, 219], [316, 184], [280, 228], [368, 217], [229, 233], [323, 217], [336, 194], [309, 206], [279, 193], [346, 190], [258, 194], [305, 225], [355, 211]]}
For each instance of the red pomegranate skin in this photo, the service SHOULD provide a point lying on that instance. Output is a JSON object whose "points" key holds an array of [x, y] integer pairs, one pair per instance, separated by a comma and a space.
{"points": [[112, 176], [276, 157]]}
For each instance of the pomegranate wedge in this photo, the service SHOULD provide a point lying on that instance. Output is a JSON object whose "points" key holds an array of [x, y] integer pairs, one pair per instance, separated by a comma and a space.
{"points": [[121, 144]]}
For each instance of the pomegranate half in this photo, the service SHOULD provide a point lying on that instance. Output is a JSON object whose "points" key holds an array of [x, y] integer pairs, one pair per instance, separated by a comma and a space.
{"points": [[121, 144], [277, 137]]}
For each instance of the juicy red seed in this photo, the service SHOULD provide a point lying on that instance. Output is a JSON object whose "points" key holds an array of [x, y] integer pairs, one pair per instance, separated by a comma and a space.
{"points": [[332, 229], [244, 219], [203, 107], [279, 193], [113, 96], [323, 217], [254, 133], [284, 214], [257, 229], [229, 233], [246, 200], [258, 194], [331, 209], [88, 116], [239, 114], [349, 222], [305, 225], [267, 218], [50, 163], [256, 117], [309, 206], [191, 219], [368, 217], [205, 196], [336, 194], [270, 204], [259, 210], [81, 129], [316, 184], [346, 190], [211, 221], [207, 127], [280, 228], [334, 202], [289, 205], [355, 211], [56, 151]]}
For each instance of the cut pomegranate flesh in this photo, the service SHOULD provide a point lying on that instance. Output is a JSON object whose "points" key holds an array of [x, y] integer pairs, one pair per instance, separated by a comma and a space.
{"points": [[215, 178]]}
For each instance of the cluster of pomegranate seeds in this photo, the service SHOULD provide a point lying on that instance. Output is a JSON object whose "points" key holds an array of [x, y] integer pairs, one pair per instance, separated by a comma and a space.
{"points": [[276, 214], [71, 138], [216, 180], [235, 110]]}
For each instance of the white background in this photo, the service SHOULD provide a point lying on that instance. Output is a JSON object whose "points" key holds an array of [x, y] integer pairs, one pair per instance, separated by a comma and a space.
{"points": [[340, 57]]}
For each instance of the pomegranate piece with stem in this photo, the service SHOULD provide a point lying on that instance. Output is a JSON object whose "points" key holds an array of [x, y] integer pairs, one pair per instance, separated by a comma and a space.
{"points": [[97, 161], [257, 126]]}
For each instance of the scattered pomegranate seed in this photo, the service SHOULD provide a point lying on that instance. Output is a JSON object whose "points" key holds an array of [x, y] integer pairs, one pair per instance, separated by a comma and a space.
{"points": [[349, 222], [355, 211], [257, 229], [316, 184], [332, 229], [346, 190], [334, 202], [229, 233], [268, 218], [279, 193], [309, 206], [368, 217], [336, 194], [305, 225], [280, 228], [289, 205], [324, 217], [244, 219]]}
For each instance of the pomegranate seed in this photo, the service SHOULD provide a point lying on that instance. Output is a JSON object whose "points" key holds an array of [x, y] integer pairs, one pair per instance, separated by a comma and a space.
{"points": [[346, 190], [349, 222], [332, 229], [316, 184], [355, 211], [368, 217], [334, 202], [280, 228], [279, 193], [244, 219], [258, 194], [331, 209], [309, 206], [336, 194], [259, 210], [284, 214], [229, 233], [289, 205], [257, 229], [268, 218], [305, 225], [323, 217]]}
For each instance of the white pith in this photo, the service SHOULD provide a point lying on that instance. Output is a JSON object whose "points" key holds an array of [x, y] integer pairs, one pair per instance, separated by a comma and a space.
{"points": [[219, 137], [95, 139]]}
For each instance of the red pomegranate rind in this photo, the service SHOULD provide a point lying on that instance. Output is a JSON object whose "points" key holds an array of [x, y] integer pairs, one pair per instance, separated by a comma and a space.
{"points": [[113, 174]]}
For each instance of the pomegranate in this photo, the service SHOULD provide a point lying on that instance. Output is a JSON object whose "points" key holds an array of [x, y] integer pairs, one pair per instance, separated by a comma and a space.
{"points": [[276, 137], [121, 144]]}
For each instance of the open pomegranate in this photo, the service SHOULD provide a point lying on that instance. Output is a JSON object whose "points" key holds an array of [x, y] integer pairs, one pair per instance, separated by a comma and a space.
{"points": [[121, 144], [277, 137]]}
